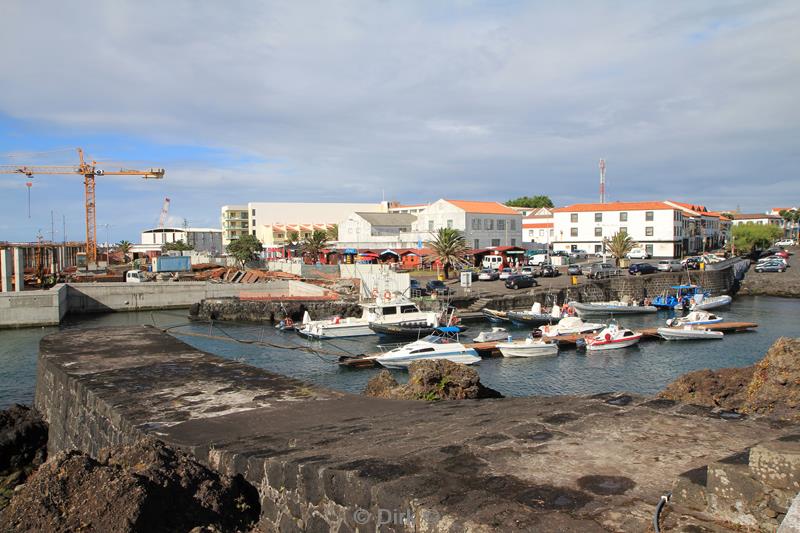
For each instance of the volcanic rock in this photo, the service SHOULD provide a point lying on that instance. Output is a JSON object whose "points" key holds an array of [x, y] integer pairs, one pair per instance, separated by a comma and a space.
{"points": [[23, 447], [432, 380]]}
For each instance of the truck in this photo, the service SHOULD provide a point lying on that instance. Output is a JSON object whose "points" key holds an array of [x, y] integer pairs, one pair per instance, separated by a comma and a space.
{"points": [[168, 263], [134, 276]]}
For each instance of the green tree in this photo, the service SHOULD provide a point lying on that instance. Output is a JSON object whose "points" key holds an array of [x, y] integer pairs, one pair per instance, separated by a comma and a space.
{"points": [[245, 248], [333, 233], [526, 201], [790, 218], [314, 244], [449, 248], [751, 237], [178, 246], [619, 245], [124, 247], [293, 237]]}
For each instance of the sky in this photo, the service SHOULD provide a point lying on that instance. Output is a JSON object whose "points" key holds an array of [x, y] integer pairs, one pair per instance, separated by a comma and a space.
{"points": [[410, 101]]}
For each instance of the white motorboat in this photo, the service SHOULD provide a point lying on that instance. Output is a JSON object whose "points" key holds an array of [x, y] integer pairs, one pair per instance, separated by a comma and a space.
{"points": [[695, 318], [442, 344], [612, 337], [529, 347], [396, 311], [704, 303], [570, 325], [688, 333], [497, 334], [610, 308]]}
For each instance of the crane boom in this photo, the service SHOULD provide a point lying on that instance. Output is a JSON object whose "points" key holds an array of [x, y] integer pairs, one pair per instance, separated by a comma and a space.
{"points": [[89, 171]]}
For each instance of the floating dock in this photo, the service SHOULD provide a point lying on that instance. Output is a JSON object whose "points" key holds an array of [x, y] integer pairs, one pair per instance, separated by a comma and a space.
{"points": [[489, 349]]}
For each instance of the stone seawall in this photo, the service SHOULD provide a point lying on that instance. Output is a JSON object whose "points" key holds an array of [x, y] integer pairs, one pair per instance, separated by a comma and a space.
{"points": [[236, 310], [328, 461]]}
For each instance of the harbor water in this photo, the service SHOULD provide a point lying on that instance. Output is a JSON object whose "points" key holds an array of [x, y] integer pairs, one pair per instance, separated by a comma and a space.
{"points": [[645, 368]]}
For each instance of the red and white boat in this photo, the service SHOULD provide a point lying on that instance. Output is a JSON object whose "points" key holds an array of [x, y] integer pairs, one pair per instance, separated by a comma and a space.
{"points": [[612, 337]]}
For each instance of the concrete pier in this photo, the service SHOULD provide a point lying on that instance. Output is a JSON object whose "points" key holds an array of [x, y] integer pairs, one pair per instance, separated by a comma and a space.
{"points": [[6, 269], [329, 461], [19, 270]]}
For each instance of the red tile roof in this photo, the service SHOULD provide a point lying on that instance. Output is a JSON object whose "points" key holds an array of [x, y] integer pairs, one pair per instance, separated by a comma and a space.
{"points": [[489, 208], [754, 216], [614, 206]]}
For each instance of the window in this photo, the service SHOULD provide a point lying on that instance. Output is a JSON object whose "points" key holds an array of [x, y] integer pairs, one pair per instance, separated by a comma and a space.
{"points": [[648, 216], [513, 242], [530, 233], [495, 242], [488, 224], [598, 217], [598, 248], [477, 244], [623, 229], [623, 216], [389, 311], [449, 223], [573, 232], [408, 309], [598, 232], [573, 217], [648, 231], [512, 225], [254, 232], [254, 222], [551, 233], [430, 225], [254, 212], [476, 223], [649, 249], [541, 233], [501, 224]]}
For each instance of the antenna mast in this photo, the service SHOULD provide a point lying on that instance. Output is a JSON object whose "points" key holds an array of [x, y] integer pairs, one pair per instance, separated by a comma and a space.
{"points": [[602, 181]]}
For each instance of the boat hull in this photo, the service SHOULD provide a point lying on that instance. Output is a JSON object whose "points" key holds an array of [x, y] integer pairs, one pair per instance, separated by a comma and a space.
{"points": [[612, 344], [404, 331], [519, 349], [712, 303], [336, 331], [676, 334], [495, 317], [489, 336], [589, 310], [530, 319]]}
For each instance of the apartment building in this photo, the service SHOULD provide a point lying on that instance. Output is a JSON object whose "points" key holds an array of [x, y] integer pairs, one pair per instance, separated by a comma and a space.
{"points": [[757, 218], [270, 222], [537, 226]]}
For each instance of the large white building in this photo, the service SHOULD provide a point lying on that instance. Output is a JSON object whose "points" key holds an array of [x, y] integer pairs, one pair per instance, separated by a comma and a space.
{"points": [[200, 239], [538, 226], [273, 222], [483, 224], [757, 218]]}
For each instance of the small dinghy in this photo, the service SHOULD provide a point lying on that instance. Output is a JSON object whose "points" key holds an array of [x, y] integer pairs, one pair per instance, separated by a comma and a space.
{"points": [[610, 308], [612, 337], [537, 316], [704, 303], [695, 318], [497, 334], [495, 316], [570, 325], [529, 347], [683, 333], [287, 324]]}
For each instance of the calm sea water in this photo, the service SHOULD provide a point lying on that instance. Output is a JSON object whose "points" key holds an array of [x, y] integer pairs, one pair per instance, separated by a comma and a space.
{"points": [[645, 368]]}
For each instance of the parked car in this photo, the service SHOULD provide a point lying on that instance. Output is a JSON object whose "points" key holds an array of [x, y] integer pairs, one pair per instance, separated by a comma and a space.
{"points": [[574, 270], [559, 253], [527, 269], [638, 253], [638, 269], [770, 266], [577, 255], [416, 290], [505, 273], [772, 259], [489, 274], [785, 242], [783, 253], [692, 263], [437, 286], [602, 270], [548, 271], [670, 265], [519, 281]]}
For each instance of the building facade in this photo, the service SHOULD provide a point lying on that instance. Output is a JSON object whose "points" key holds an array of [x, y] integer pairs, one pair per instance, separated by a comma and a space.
{"points": [[483, 224], [538, 226], [757, 218], [378, 230]]}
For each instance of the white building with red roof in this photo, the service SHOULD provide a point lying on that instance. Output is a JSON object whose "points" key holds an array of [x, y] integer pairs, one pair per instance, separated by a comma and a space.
{"points": [[538, 226]]}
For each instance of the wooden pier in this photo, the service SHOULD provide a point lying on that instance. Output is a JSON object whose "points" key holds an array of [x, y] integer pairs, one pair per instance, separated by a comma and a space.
{"points": [[489, 349]]}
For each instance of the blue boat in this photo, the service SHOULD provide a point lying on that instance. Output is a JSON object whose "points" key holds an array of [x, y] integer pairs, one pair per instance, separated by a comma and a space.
{"points": [[681, 299]]}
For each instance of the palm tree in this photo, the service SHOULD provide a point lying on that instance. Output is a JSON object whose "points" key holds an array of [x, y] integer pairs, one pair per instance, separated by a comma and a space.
{"points": [[315, 243], [124, 247], [619, 245], [333, 233], [449, 248]]}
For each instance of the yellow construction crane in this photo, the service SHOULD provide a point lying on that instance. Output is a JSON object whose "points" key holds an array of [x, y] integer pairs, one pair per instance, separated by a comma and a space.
{"points": [[89, 171]]}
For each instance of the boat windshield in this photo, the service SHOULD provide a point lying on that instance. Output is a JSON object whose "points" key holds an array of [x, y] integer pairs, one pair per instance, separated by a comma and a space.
{"points": [[437, 339]]}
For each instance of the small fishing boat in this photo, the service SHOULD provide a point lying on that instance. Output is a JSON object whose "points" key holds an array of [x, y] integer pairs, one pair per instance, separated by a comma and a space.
{"points": [[411, 330], [704, 303], [612, 337], [495, 316], [287, 324], [496, 334], [610, 308], [681, 298], [389, 311], [443, 343], [535, 317], [688, 333], [695, 318], [529, 347], [570, 325]]}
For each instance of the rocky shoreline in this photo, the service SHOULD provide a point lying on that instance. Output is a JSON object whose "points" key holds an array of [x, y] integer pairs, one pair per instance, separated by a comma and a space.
{"points": [[783, 285]]}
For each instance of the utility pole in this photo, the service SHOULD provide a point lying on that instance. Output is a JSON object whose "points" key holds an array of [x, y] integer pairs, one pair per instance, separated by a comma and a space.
{"points": [[52, 227], [602, 181]]}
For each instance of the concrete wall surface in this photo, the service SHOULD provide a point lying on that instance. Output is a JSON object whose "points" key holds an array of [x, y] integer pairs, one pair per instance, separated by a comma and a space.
{"points": [[33, 308]]}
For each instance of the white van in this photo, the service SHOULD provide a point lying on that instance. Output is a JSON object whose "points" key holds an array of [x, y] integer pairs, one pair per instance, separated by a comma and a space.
{"points": [[638, 253], [495, 262], [539, 259], [134, 276]]}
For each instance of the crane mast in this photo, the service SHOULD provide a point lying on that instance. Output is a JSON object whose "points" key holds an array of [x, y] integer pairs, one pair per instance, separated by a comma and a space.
{"points": [[89, 171], [162, 219]]}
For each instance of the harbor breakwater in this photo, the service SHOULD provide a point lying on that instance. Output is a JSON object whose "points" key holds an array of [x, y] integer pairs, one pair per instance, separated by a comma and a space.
{"points": [[322, 460]]}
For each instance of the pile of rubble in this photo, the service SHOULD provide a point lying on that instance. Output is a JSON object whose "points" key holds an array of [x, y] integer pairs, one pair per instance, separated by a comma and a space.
{"points": [[234, 275]]}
